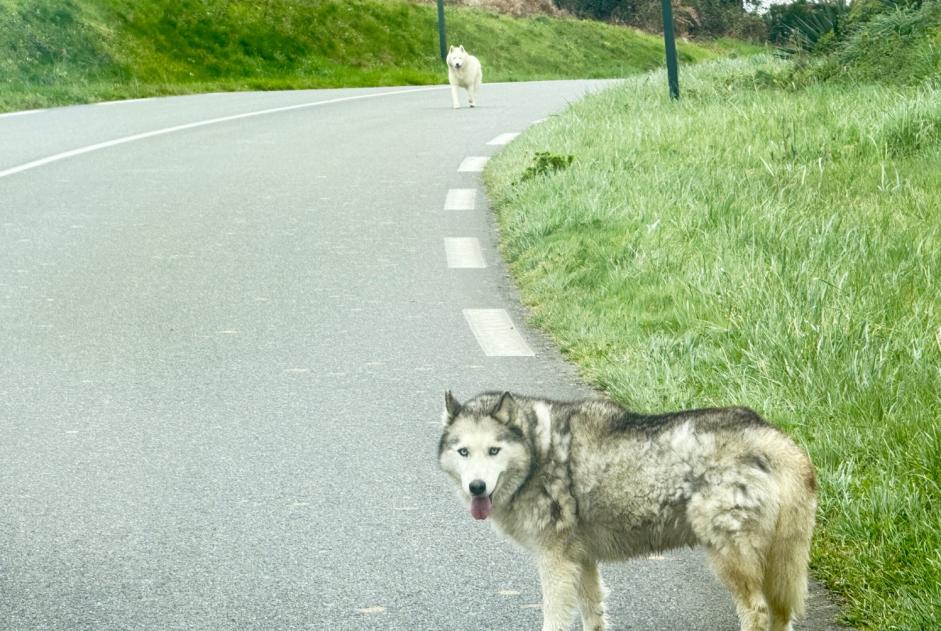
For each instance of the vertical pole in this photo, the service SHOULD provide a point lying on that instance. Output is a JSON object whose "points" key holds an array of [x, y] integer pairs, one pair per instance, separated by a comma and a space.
{"points": [[669, 43], [441, 43]]}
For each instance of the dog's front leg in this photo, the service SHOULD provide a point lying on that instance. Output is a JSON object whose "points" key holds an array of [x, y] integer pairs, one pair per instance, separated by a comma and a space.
{"points": [[560, 579], [454, 100], [591, 597]]}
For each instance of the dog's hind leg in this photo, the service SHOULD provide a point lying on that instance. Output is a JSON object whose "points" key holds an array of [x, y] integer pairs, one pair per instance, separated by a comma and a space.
{"points": [[786, 568], [786, 580], [560, 580], [591, 597], [741, 572]]}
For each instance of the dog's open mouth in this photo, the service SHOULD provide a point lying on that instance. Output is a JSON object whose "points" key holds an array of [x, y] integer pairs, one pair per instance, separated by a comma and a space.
{"points": [[481, 505]]}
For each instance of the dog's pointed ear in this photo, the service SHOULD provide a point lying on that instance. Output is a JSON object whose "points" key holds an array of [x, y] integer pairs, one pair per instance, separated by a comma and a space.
{"points": [[451, 408], [505, 409], [462, 49], [451, 49]]}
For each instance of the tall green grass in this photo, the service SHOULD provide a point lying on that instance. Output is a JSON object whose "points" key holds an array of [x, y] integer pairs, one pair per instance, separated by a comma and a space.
{"points": [[889, 43], [781, 250], [60, 51]]}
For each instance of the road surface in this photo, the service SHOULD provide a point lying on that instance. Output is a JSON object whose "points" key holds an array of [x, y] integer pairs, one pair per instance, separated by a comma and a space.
{"points": [[226, 325]]}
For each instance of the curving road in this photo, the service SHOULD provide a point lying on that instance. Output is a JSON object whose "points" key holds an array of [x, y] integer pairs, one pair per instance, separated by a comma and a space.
{"points": [[226, 324]]}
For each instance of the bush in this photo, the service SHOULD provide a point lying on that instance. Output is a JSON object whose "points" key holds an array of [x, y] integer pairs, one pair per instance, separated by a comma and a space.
{"points": [[694, 18], [798, 27], [901, 46]]}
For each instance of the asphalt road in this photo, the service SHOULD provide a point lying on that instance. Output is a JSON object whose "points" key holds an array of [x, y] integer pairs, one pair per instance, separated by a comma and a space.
{"points": [[223, 350]]}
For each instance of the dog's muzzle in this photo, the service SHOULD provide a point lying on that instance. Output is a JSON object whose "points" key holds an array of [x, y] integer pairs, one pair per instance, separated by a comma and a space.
{"points": [[481, 502]]}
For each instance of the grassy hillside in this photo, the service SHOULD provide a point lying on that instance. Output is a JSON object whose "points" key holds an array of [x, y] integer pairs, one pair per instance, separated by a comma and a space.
{"points": [[61, 51], [771, 248], [900, 46]]}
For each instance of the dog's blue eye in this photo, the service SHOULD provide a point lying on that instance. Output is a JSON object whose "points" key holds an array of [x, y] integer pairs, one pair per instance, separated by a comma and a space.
{"points": [[494, 451], [463, 451]]}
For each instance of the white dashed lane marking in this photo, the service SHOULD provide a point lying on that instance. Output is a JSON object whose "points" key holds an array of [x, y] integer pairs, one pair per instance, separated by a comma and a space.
{"points": [[503, 139], [463, 253], [473, 164], [496, 334], [461, 199], [371, 610]]}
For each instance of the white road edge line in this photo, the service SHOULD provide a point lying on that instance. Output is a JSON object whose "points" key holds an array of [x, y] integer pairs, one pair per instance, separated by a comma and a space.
{"points": [[473, 164], [496, 334], [20, 113], [461, 199], [122, 101], [463, 253], [503, 139], [212, 121]]}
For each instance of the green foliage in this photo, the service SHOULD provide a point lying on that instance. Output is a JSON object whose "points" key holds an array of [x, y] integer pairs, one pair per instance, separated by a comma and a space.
{"points": [[545, 162], [61, 51], [805, 26], [861, 11], [902, 46], [777, 249], [879, 41], [912, 126], [694, 18], [45, 42]]}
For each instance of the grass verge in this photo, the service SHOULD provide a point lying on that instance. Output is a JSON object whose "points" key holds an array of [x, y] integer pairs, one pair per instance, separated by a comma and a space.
{"points": [[65, 51], [775, 249]]}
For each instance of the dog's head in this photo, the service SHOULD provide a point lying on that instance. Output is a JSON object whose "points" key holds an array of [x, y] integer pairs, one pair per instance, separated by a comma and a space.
{"points": [[484, 449], [457, 57]]}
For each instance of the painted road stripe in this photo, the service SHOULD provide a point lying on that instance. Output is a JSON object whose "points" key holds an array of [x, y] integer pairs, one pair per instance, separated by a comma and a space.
{"points": [[463, 253], [461, 199], [473, 164], [212, 121], [496, 334], [503, 139], [120, 101], [23, 113]]}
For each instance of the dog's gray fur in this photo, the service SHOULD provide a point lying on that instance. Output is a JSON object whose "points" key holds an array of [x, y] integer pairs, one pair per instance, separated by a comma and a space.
{"points": [[587, 481]]}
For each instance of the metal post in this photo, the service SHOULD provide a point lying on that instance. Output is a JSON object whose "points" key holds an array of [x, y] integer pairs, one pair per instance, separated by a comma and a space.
{"points": [[441, 43], [669, 43]]}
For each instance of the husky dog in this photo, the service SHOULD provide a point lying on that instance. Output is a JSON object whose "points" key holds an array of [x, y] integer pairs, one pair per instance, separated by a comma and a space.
{"points": [[463, 71], [587, 481]]}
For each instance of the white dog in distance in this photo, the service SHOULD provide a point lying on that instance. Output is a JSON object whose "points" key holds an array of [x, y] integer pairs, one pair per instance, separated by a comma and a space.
{"points": [[463, 71]]}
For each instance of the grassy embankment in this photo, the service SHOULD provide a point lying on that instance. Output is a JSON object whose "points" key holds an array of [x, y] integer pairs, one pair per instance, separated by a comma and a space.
{"points": [[64, 51], [767, 247]]}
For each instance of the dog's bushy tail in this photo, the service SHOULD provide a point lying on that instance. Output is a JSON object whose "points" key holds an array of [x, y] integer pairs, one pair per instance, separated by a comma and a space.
{"points": [[785, 583]]}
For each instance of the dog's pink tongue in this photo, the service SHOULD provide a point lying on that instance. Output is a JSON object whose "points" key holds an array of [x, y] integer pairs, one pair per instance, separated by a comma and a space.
{"points": [[480, 507]]}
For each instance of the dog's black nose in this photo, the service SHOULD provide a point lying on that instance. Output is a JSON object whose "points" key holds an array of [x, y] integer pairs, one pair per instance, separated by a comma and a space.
{"points": [[477, 487]]}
